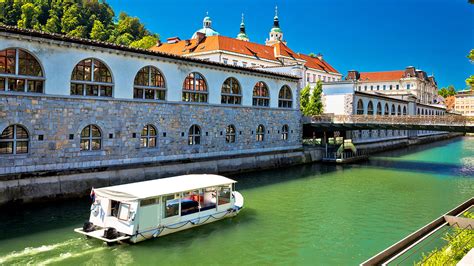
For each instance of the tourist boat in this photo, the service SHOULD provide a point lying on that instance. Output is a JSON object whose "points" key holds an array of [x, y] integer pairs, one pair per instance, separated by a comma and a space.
{"points": [[143, 210]]}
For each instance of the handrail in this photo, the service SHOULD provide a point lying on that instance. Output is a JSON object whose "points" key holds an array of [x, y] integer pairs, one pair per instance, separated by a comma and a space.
{"points": [[394, 119]]}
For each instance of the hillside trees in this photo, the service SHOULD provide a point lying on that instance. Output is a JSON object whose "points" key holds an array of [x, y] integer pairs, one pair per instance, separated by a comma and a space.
{"points": [[92, 19]]}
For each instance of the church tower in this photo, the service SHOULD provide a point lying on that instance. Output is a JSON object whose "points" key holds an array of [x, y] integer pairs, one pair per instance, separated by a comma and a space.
{"points": [[276, 34], [242, 35]]}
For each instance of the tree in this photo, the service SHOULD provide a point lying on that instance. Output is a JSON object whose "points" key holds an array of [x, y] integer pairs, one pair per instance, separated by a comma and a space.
{"points": [[11, 12], [470, 82], [446, 92], [315, 101], [124, 39], [99, 32], [304, 99], [145, 42], [71, 18], [53, 24], [29, 17]]}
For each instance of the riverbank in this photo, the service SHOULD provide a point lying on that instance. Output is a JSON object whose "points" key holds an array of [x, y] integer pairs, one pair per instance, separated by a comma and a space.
{"points": [[50, 185]]}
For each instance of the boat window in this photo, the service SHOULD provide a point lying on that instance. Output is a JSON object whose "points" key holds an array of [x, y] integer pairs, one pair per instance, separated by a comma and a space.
{"points": [[224, 195], [124, 211], [147, 202], [114, 206], [190, 202], [209, 199], [171, 205]]}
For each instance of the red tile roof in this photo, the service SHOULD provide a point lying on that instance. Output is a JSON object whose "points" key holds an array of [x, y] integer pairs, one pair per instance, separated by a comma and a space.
{"points": [[382, 76], [259, 51]]}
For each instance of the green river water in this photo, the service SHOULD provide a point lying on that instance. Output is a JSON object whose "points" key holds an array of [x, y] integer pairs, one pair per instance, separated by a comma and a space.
{"points": [[304, 215]]}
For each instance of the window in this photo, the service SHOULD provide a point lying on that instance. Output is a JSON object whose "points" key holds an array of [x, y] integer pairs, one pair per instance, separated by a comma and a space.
{"points": [[370, 108], [224, 193], [384, 87], [195, 88], [379, 108], [371, 87], [20, 72], [260, 133], [260, 95], [393, 110], [397, 87], [91, 138], [225, 60], [171, 205], [360, 107], [91, 77], [230, 134], [408, 86], [404, 110], [391, 87], [149, 84], [386, 111], [148, 137], [399, 110], [14, 140], [284, 132], [244, 64], [285, 98], [378, 87], [365, 87], [124, 212], [230, 92], [194, 135], [235, 62]]}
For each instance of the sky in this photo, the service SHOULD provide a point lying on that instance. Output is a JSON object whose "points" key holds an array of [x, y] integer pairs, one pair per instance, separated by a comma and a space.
{"points": [[365, 35]]}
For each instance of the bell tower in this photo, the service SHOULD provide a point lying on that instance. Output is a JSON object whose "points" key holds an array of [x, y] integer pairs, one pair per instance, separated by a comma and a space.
{"points": [[242, 35], [276, 34]]}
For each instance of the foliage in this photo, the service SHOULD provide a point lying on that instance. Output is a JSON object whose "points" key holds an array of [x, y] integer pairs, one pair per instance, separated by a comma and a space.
{"points": [[470, 82], [92, 19], [311, 102], [446, 92], [459, 243]]}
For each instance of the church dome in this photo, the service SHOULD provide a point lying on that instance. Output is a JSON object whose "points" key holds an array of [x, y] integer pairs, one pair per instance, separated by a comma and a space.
{"points": [[206, 28]]}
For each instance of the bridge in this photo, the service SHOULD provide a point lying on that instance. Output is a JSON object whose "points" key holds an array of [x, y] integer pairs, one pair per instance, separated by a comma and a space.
{"points": [[449, 123]]}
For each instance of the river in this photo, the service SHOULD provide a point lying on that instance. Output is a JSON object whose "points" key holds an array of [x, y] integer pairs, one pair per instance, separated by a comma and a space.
{"points": [[304, 215]]}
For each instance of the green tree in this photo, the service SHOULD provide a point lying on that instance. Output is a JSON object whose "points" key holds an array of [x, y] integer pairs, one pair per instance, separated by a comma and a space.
{"points": [[131, 25], [470, 82], [124, 39], [29, 17], [71, 19], [145, 42], [80, 31], [11, 12], [99, 32], [315, 101], [304, 99], [446, 92], [53, 24]]}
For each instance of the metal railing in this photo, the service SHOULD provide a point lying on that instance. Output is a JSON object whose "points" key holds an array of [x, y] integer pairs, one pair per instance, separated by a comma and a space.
{"points": [[447, 120], [345, 154]]}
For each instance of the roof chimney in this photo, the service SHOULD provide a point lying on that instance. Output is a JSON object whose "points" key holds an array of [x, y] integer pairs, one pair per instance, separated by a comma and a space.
{"points": [[173, 40], [353, 75]]}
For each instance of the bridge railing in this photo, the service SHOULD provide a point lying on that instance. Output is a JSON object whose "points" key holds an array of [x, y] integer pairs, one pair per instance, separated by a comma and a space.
{"points": [[455, 120]]}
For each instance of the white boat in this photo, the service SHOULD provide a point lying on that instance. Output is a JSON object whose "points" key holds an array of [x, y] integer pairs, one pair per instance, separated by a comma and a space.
{"points": [[143, 210]]}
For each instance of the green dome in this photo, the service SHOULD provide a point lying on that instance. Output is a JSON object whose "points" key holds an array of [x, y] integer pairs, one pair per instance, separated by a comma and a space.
{"points": [[276, 30]]}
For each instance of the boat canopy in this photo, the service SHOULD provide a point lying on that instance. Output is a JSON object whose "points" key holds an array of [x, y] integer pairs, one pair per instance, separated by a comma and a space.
{"points": [[163, 186]]}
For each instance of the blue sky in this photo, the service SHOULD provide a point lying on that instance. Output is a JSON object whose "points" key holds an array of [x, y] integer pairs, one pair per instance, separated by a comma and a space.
{"points": [[376, 35]]}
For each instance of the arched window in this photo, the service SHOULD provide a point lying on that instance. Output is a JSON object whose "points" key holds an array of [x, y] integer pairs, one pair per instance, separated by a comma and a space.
{"points": [[91, 77], [399, 112], [404, 110], [14, 140], [386, 111], [261, 97], [360, 107], [20, 71], [194, 135], [418, 111], [370, 108], [91, 138], [230, 134], [149, 84], [195, 88], [393, 110], [284, 132], [285, 97], [148, 137], [379, 108], [230, 92], [260, 133]]}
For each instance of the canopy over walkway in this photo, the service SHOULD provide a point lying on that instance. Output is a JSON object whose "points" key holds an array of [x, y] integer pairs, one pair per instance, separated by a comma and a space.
{"points": [[451, 123]]}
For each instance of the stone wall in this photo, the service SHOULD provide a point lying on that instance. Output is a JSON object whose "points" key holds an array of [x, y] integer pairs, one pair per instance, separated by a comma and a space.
{"points": [[58, 119], [27, 189]]}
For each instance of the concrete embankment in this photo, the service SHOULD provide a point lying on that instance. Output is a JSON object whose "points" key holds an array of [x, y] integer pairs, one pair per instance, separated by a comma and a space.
{"points": [[374, 147], [75, 183]]}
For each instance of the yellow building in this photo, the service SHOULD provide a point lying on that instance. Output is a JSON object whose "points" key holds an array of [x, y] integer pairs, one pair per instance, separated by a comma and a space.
{"points": [[464, 102]]}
